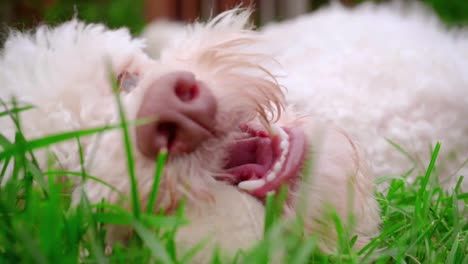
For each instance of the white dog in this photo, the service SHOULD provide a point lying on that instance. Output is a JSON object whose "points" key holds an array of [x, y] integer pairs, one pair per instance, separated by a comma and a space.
{"points": [[232, 133]]}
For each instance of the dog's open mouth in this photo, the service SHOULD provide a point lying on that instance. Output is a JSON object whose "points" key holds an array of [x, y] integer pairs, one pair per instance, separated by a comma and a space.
{"points": [[260, 163]]}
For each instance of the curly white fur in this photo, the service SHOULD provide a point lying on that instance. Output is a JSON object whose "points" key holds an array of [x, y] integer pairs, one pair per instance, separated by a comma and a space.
{"points": [[63, 71], [381, 72]]}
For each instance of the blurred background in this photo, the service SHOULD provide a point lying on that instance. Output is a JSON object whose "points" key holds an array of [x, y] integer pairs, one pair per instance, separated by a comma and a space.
{"points": [[134, 14]]}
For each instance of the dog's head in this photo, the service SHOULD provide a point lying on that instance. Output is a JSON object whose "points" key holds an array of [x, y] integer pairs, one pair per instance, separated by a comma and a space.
{"points": [[211, 103]]}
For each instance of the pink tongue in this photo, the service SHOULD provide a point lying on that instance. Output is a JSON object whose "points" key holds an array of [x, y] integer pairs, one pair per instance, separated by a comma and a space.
{"points": [[250, 158]]}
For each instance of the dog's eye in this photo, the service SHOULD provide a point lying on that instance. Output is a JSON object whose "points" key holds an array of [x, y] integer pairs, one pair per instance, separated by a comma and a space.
{"points": [[127, 81]]}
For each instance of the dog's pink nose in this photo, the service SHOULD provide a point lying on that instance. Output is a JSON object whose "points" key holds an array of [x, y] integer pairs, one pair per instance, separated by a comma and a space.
{"points": [[185, 111]]}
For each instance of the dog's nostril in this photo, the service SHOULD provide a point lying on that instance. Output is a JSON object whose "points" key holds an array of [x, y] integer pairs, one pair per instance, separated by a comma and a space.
{"points": [[187, 91], [185, 109], [166, 134]]}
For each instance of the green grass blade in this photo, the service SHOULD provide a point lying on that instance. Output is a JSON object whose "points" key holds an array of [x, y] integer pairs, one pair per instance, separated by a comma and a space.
{"points": [[161, 161], [430, 169], [157, 249], [424, 195], [269, 212], [32, 246], [401, 150], [53, 139], [305, 251], [194, 250], [37, 175], [128, 149], [274, 207], [92, 236], [4, 142], [15, 110], [87, 176]]}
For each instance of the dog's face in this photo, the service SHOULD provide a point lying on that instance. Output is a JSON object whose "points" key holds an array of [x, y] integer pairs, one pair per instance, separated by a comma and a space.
{"points": [[212, 106], [215, 108]]}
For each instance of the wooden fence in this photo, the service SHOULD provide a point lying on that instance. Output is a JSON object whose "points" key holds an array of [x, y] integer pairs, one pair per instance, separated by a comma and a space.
{"points": [[266, 10]]}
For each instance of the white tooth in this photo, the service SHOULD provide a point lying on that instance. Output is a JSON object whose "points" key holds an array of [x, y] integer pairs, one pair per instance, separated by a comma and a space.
{"points": [[251, 185], [283, 133], [284, 145], [271, 176], [277, 166], [282, 159], [276, 129]]}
